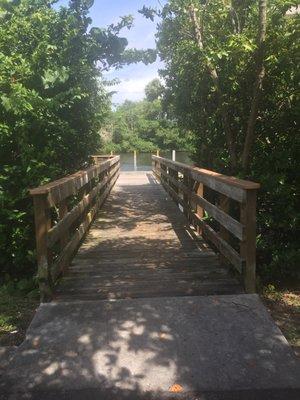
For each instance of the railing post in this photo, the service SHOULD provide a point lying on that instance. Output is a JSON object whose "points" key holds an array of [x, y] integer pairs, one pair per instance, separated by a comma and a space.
{"points": [[134, 160], [199, 209], [42, 225], [96, 160], [174, 174], [248, 245], [173, 155], [186, 198]]}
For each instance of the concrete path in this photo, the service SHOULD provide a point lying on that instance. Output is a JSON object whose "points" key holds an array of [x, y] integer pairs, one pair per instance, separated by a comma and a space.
{"points": [[214, 347]]}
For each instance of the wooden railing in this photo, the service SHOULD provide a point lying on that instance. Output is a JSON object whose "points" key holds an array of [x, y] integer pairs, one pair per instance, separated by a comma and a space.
{"points": [[229, 202], [63, 211]]}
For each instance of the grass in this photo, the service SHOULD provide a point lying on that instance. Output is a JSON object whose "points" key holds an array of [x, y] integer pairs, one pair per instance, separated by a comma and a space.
{"points": [[16, 313], [284, 306]]}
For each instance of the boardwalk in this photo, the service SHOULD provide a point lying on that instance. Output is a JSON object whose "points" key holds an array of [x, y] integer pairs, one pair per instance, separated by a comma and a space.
{"points": [[145, 310], [141, 246]]}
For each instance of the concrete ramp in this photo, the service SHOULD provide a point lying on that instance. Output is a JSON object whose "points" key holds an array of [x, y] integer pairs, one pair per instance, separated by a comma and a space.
{"points": [[215, 347]]}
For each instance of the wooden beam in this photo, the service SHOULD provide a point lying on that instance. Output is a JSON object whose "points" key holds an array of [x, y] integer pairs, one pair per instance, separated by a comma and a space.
{"points": [[230, 186], [62, 188], [232, 225], [42, 224], [57, 231]]}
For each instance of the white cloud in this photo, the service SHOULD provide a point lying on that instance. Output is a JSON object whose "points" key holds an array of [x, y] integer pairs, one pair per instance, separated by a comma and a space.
{"points": [[132, 88]]}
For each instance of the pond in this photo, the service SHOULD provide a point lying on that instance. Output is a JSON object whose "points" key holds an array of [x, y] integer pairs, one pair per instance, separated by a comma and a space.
{"points": [[144, 163]]}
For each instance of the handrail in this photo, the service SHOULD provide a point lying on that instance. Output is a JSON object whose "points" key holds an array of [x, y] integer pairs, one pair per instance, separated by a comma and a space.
{"points": [[186, 186], [63, 212]]}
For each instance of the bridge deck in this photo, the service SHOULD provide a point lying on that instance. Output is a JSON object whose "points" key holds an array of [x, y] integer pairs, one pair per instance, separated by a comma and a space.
{"points": [[140, 245]]}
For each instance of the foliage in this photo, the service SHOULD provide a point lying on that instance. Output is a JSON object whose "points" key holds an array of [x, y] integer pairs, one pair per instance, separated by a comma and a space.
{"points": [[228, 30], [52, 105], [284, 306], [16, 312], [143, 126]]}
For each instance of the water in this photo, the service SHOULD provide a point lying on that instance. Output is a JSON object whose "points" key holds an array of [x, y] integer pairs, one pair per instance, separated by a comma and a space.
{"points": [[144, 162]]}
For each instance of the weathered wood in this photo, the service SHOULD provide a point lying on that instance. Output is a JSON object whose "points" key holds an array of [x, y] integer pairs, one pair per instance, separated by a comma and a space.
{"points": [[224, 248], [235, 227], [228, 188], [248, 246], [69, 250], [62, 226], [83, 183], [224, 233], [99, 159], [199, 209], [62, 212], [62, 188], [141, 245], [42, 224]]}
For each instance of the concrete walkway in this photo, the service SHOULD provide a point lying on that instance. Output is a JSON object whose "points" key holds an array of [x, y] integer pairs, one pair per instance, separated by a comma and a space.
{"points": [[212, 347]]}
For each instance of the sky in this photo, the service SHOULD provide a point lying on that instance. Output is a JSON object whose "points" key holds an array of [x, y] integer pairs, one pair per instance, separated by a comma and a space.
{"points": [[133, 78]]}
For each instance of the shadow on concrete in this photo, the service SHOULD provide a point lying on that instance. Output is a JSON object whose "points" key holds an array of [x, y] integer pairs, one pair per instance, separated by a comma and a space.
{"points": [[214, 347]]}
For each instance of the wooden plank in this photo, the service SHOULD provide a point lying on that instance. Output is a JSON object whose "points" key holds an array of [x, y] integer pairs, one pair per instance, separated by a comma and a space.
{"points": [[62, 226], [224, 248], [199, 209], [235, 227], [141, 245], [42, 224], [230, 186], [62, 212], [59, 190], [69, 250], [229, 180], [224, 233]]}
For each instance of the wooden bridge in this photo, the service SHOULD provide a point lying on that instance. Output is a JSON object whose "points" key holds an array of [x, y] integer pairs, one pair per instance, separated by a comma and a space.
{"points": [[148, 282], [145, 241]]}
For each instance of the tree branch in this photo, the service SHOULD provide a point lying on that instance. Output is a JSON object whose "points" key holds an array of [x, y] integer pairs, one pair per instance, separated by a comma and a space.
{"points": [[215, 78], [260, 73]]}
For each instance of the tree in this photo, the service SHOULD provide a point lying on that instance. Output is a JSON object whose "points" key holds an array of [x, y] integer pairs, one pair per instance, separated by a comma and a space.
{"points": [[233, 84], [52, 104], [144, 126], [153, 90]]}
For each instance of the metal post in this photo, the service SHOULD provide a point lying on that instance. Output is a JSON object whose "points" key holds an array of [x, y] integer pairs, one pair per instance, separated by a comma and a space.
{"points": [[134, 161]]}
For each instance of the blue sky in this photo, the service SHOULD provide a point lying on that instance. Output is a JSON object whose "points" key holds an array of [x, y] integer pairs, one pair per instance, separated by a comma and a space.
{"points": [[133, 78]]}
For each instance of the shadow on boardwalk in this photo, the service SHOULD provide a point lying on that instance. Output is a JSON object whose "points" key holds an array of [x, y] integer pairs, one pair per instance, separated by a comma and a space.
{"points": [[155, 343]]}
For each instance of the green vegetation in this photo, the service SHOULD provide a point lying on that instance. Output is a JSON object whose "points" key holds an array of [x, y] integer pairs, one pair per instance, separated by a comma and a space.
{"points": [[16, 312], [284, 305], [52, 106], [144, 126], [231, 78], [229, 97]]}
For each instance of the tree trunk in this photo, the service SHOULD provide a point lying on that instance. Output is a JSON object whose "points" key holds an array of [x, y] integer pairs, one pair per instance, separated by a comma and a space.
{"points": [[260, 73], [230, 139]]}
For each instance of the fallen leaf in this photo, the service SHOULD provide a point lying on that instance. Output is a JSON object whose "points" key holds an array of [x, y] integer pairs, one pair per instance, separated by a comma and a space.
{"points": [[176, 388]]}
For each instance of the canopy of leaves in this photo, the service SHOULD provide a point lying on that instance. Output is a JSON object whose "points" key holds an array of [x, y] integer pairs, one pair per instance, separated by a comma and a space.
{"points": [[52, 106], [229, 31], [143, 125]]}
